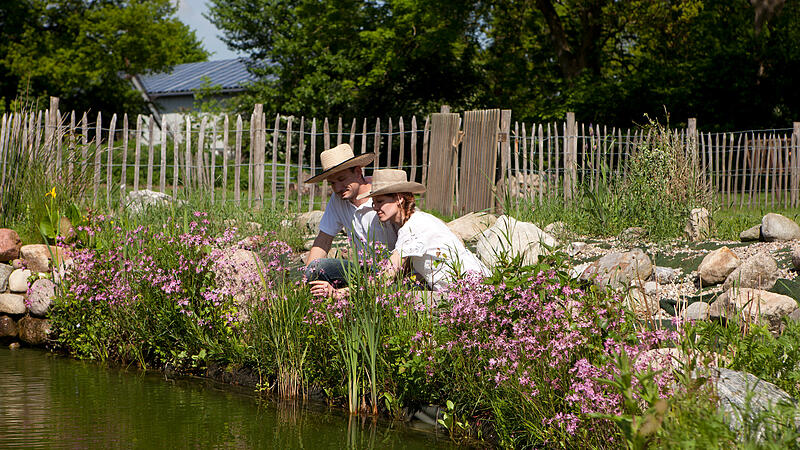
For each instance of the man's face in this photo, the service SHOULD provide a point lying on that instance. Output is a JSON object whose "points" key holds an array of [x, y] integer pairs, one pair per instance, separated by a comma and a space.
{"points": [[346, 183]]}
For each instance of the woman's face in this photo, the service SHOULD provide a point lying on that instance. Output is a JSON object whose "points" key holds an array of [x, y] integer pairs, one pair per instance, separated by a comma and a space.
{"points": [[387, 207]]}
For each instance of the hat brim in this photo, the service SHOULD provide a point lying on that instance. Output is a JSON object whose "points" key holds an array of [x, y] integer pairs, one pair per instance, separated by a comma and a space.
{"points": [[356, 161], [407, 186]]}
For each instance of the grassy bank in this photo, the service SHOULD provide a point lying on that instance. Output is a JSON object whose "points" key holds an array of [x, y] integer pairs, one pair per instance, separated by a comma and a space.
{"points": [[527, 357]]}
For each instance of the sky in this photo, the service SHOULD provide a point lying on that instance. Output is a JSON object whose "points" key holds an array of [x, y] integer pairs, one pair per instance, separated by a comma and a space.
{"points": [[191, 12]]}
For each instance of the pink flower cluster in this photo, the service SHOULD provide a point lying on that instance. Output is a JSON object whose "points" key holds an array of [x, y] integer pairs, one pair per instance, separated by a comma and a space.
{"points": [[200, 274], [549, 340]]}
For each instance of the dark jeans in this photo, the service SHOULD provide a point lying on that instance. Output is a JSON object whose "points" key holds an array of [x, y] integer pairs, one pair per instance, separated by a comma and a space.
{"points": [[335, 272], [332, 270]]}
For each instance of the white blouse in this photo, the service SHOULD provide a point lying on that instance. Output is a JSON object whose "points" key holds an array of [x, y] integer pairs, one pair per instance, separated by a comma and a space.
{"points": [[434, 250]]}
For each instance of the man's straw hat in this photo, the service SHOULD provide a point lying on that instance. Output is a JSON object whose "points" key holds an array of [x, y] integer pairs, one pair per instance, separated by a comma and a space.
{"points": [[391, 181], [339, 158]]}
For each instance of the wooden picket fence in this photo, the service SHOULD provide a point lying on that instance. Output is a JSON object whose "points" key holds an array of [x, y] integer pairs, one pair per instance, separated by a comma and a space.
{"points": [[467, 161], [743, 168]]}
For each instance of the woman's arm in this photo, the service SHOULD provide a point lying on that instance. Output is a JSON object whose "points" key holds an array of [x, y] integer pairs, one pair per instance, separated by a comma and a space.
{"points": [[395, 264]]}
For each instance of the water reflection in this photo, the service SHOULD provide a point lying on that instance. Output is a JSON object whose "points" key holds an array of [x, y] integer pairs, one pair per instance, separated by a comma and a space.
{"points": [[52, 402]]}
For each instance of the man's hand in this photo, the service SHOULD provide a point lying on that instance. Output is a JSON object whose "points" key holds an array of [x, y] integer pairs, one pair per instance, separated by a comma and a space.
{"points": [[320, 248]]}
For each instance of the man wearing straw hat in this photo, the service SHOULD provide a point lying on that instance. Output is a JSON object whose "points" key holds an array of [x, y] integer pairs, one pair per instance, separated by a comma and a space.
{"points": [[345, 211]]}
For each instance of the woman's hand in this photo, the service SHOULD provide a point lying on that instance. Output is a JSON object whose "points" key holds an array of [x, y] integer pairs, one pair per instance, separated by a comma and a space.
{"points": [[320, 288]]}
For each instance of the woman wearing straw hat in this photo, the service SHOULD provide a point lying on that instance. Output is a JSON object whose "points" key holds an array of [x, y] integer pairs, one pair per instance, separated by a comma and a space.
{"points": [[435, 252], [344, 211]]}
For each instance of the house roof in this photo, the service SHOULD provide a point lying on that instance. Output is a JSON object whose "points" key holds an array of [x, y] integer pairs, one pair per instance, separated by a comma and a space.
{"points": [[228, 75]]}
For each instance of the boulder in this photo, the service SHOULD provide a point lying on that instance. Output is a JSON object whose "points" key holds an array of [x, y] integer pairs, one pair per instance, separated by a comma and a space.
{"points": [[237, 272], [617, 270], [697, 311], [775, 227], [12, 304], [717, 265], [743, 397], [8, 328], [17, 263], [40, 296], [632, 234], [33, 331], [10, 244], [556, 228], [751, 234], [18, 280], [38, 256], [509, 236], [468, 227], [759, 272], [137, 201], [578, 270], [643, 306], [665, 275], [309, 221], [5, 272], [698, 225], [754, 305]]}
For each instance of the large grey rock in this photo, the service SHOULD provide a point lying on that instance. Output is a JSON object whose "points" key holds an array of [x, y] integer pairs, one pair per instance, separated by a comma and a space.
{"points": [[33, 331], [631, 234], [743, 397], [470, 226], [697, 311], [665, 275], [237, 272], [8, 327], [18, 280], [38, 256], [137, 201], [698, 225], [754, 305], [5, 272], [12, 304], [309, 221], [40, 296], [617, 270], [751, 234], [556, 228], [643, 306], [759, 272], [775, 227], [717, 265], [509, 236], [10, 244]]}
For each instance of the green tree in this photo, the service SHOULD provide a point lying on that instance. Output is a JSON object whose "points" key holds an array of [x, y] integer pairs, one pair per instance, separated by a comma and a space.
{"points": [[79, 50], [348, 57]]}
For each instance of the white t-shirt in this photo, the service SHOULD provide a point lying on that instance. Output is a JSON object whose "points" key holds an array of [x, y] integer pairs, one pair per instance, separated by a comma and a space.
{"points": [[361, 223], [433, 248]]}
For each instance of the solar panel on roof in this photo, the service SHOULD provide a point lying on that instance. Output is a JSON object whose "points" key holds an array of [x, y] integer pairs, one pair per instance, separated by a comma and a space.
{"points": [[230, 74]]}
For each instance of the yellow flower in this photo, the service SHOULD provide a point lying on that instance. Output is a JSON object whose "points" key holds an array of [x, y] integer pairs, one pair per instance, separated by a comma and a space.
{"points": [[52, 193]]}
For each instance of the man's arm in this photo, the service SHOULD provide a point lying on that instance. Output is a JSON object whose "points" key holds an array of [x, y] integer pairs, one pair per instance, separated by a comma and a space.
{"points": [[320, 248]]}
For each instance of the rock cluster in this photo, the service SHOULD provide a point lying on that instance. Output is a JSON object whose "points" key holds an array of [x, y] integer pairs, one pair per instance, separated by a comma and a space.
{"points": [[26, 288]]}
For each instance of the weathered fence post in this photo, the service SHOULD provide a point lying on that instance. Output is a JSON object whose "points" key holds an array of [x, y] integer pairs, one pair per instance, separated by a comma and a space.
{"points": [[794, 148], [570, 157]]}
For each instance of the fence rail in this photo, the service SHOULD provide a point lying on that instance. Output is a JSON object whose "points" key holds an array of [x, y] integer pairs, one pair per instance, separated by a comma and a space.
{"points": [[466, 161]]}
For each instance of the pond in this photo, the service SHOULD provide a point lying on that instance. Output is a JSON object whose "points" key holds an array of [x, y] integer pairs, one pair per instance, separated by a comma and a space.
{"points": [[47, 401]]}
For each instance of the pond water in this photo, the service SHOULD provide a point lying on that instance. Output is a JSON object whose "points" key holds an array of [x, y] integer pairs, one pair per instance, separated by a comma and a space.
{"points": [[48, 401]]}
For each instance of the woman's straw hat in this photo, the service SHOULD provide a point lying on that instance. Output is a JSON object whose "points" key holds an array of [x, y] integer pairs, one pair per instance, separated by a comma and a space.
{"points": [[339, 158], [391, 181]]}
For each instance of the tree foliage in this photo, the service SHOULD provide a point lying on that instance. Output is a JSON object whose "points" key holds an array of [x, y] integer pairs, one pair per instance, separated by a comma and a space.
{"points": [[80, 50], [728, 63], [356, 57]]}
